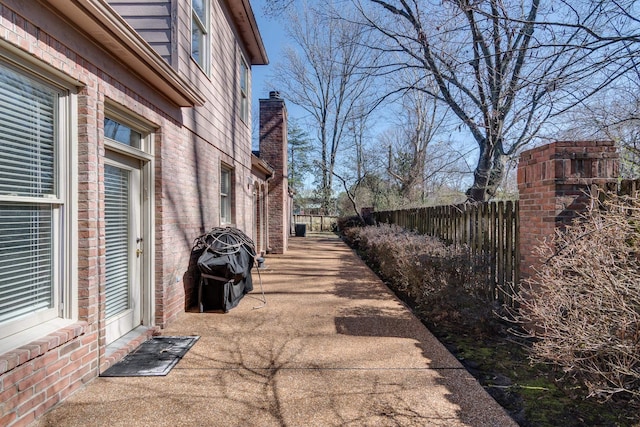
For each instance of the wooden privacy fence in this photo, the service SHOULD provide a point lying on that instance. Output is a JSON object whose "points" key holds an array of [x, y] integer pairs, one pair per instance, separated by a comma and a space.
{"points": [[626, 187], [317, 222], [490, 230]]}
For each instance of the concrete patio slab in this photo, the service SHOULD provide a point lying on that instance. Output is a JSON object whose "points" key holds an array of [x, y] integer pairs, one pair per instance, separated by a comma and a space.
{"points": [[332, 347]]}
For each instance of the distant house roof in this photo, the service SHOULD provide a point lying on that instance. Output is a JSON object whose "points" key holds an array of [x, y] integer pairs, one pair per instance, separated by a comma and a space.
{"points": [[260, 165]]}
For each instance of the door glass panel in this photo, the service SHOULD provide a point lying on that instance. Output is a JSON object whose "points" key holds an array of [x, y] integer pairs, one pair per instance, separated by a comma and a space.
{"points": [[116, 183]]}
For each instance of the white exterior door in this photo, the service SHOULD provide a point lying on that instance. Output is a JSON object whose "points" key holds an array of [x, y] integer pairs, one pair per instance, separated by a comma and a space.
{"points": [[124, 244]]}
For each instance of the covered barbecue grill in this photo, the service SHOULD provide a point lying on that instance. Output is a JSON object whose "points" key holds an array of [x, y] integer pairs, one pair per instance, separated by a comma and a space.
{"points": [[225, 268]]}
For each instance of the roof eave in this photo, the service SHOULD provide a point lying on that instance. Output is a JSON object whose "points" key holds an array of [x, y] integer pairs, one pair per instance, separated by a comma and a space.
{"points": [[261, 166], [243, 16], [109, 30]]}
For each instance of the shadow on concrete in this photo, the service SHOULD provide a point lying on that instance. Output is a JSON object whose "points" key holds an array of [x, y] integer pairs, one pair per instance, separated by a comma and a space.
{"points": [[332, 347]]}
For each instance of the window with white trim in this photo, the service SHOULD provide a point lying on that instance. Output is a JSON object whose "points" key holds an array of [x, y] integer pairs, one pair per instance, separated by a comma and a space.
{"points": [[244, 91], [33, 199], [122, 133], [225, 195], [200, 33]]}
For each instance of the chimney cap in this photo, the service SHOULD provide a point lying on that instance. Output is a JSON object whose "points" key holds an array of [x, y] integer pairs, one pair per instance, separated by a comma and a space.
{"points": [[274, 94]]}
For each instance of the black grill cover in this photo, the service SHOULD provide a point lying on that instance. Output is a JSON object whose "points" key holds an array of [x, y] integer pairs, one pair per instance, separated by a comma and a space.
{"points": [[225, 268]]}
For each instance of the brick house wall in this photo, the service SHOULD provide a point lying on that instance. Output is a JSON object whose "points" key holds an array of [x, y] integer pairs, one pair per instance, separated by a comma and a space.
{"points": [[195, 129]]}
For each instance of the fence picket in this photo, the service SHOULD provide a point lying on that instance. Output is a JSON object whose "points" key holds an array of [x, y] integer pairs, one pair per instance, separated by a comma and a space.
{"points": [[494, 242], [489, 230], [510, 239]]}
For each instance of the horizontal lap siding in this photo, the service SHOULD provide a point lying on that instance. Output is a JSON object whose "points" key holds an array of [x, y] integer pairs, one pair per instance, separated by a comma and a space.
{"points": [[151, 19]]}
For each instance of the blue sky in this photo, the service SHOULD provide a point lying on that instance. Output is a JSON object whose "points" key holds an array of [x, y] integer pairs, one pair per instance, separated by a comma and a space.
{"points": [[274, 38]]}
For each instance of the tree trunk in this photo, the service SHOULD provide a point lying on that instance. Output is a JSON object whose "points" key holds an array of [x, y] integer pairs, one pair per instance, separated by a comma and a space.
{"points": [[488, 174]]}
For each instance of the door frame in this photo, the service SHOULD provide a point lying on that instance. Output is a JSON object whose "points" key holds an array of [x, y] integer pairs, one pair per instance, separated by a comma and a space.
{"points": [[128, 319], [146, 275]]}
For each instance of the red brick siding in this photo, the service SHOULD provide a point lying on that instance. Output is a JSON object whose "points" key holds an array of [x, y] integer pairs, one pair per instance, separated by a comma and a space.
{"points": [[273, 150], [553, 181], [40, 374], [36, 377]]}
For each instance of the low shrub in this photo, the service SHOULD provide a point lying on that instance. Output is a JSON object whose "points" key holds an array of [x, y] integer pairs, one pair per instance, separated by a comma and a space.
{"points": [[583, 306], [345, 223], [442, 280]]}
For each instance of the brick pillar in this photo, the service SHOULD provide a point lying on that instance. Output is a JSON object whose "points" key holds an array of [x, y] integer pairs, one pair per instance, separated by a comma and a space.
{"points": [[273, 150], [553, 182]]}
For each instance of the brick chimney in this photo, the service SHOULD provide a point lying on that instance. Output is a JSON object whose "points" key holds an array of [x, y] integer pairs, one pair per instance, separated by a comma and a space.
{"points": [[273, 150]]}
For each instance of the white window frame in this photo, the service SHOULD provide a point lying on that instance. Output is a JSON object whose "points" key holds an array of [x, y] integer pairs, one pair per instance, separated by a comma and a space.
{"points": [[226, 195], [201, 23], [244, 91], [63, 201]]}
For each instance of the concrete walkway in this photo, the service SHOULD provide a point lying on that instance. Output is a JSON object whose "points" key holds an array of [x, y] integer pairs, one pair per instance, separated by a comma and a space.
{"points": [[332, 347]]}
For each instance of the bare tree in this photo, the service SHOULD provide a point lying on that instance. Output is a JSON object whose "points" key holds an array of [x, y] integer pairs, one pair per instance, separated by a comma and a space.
{"points": [[359, 165], [321, 75], [276, 8], [362, 172], [504, 68], [351, 188], [419, 121], [613, 115], [614, 119]]}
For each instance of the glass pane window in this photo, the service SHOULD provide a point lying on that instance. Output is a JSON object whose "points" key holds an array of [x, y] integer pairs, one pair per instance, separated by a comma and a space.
{"points": [[26, 267], [27, 136], [199, 9], [197, 44], [31, 204], [244, 91], [122, 133], [244, 77], [200, 32], [225, 196]]}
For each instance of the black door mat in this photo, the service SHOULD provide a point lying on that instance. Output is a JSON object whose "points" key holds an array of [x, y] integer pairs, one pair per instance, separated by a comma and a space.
{"points": [[155, 357]]}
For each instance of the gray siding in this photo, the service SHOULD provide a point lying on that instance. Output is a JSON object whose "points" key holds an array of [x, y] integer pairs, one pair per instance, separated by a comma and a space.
{"points": [[151, 19]]}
